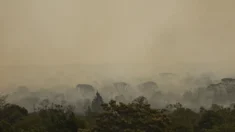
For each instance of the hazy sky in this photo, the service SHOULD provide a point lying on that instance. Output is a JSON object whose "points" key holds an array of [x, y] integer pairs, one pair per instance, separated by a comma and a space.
{"points": [[163, 32]]}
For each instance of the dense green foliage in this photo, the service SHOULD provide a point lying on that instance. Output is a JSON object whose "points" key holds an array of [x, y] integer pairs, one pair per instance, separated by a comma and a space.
{"points": [[137, 116]]}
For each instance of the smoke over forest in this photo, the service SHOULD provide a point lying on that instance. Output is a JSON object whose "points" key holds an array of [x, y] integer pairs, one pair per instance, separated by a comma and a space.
{"points": [[119, 48]]}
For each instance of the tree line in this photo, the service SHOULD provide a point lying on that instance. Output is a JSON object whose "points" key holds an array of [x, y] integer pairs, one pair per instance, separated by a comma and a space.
{"points": [[135, 116]]}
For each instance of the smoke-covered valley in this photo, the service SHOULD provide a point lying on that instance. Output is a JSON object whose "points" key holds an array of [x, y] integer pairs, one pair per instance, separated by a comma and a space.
{"points": [[193, 91], [167, 51]]}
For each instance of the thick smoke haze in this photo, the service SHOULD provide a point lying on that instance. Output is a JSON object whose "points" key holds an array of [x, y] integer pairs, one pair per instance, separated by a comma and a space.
{"points": [[55, 42]]}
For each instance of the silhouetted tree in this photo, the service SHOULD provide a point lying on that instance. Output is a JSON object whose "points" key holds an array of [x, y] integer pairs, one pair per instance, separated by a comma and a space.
{"points": [[12, 113], [96, 103]]}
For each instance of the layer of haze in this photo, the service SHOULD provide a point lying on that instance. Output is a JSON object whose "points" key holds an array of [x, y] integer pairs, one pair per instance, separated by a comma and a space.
{"points": [[47, 39]]}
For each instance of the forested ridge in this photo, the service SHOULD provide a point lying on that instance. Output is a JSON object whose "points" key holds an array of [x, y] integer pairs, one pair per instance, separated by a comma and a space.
{"points": [[137, 115]]}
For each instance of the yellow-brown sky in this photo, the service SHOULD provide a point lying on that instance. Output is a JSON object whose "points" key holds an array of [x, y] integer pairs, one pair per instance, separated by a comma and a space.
{"points": [[156, 32]]}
